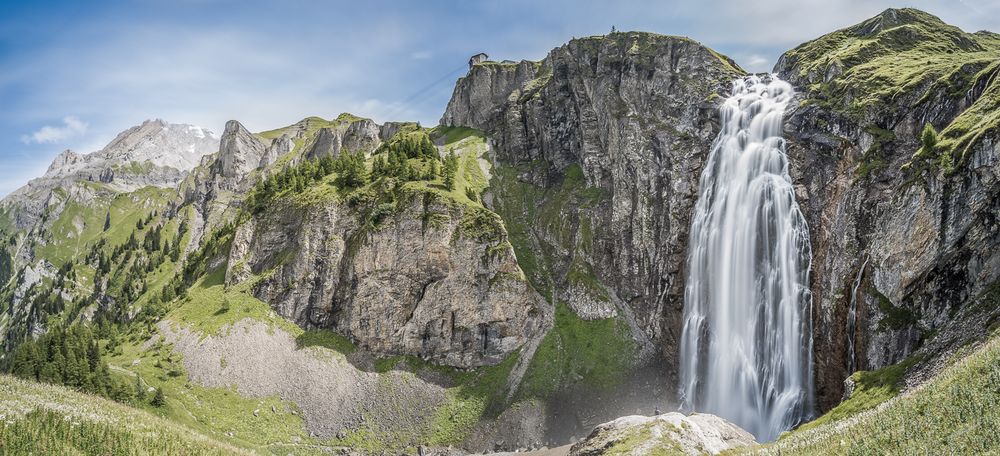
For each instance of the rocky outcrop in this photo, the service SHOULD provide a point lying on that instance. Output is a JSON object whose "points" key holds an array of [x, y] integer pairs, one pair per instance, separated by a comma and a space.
{"points": [[670, 433], [389, 129], [240, 152], [362, 135], [598, 155], [433, 279], [926, 233], [64, 163], [278, 148], [480, 95]]}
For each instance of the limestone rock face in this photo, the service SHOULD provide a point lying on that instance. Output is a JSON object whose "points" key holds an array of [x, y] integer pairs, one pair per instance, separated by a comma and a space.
{"points": [[64, 163], [240, 152], [418, 284], [163, 144], [484, 91], [670, 433], [389, 129], [598, 150], [926, 237], [363, 135], [279, 146]]}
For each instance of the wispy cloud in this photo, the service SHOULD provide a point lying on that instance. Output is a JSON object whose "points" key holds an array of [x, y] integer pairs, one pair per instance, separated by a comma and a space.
{"points": [[273, 63], [71, 128], [757, 63]]}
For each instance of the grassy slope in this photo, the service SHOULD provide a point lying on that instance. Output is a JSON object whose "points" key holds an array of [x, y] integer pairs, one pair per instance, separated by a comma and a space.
{"points": [[596, 353], [79, 225], [474, 394], [918, 53], [957, 412], [219, 412], [45, 419], [211, 309]]}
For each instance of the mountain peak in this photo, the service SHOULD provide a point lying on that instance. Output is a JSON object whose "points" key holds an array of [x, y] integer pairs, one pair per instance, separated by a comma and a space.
{"points": [[178, 146], [893, 17], [157, 121], [240, 151], [897, 17], [66, 160]]}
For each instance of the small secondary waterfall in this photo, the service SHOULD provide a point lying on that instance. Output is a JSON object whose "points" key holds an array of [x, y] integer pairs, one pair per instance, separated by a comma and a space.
{"points": [[746, 346], [852, 319]]}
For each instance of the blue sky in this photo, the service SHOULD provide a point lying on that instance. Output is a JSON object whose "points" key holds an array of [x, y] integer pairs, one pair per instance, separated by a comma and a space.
{"points": [[75, 73]]}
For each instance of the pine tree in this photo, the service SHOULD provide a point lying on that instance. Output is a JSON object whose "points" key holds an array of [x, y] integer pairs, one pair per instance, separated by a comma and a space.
{"points": [[450, 170], [94, 356], [427, 148], [158, 399], [351, 169], [107, 221], [928, 138]]}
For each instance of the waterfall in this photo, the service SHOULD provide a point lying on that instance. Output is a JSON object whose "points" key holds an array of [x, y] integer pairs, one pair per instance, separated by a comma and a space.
{"points": [[852, 319], [746, 346]]}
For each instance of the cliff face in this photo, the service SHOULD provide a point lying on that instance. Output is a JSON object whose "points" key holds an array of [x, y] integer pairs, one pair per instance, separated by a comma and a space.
{"points": [[598, 157], [400, 270], [579, 208], [907, 232], [423, 282], [363, 135]]}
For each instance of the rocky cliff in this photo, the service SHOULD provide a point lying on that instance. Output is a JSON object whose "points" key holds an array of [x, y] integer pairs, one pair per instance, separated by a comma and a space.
{"points": [[904, 231], [561, 245], [598, 154], [434, 279]]}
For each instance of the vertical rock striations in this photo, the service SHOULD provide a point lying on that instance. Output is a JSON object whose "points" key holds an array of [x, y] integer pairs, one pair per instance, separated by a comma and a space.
{"points": [[422, 282], [598, 155], [924, 215]]}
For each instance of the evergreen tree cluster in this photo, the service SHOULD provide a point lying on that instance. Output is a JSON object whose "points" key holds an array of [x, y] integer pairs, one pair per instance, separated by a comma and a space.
{"points": [[351, 170], [215, 244], [294, 178], [413, 145], [122, 272], [392, 159], [70, 357], [42, 301]]}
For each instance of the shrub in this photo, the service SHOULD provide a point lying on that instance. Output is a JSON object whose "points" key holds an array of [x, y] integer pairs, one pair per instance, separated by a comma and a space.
{"points": [[158, 399]]}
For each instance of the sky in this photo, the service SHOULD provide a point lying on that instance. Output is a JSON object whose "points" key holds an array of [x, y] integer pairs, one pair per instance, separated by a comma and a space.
{"points": [[73, 74]]}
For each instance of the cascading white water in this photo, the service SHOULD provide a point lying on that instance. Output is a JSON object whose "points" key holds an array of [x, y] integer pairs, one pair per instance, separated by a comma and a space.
{"points": [[852, 319], [746, 347]]}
